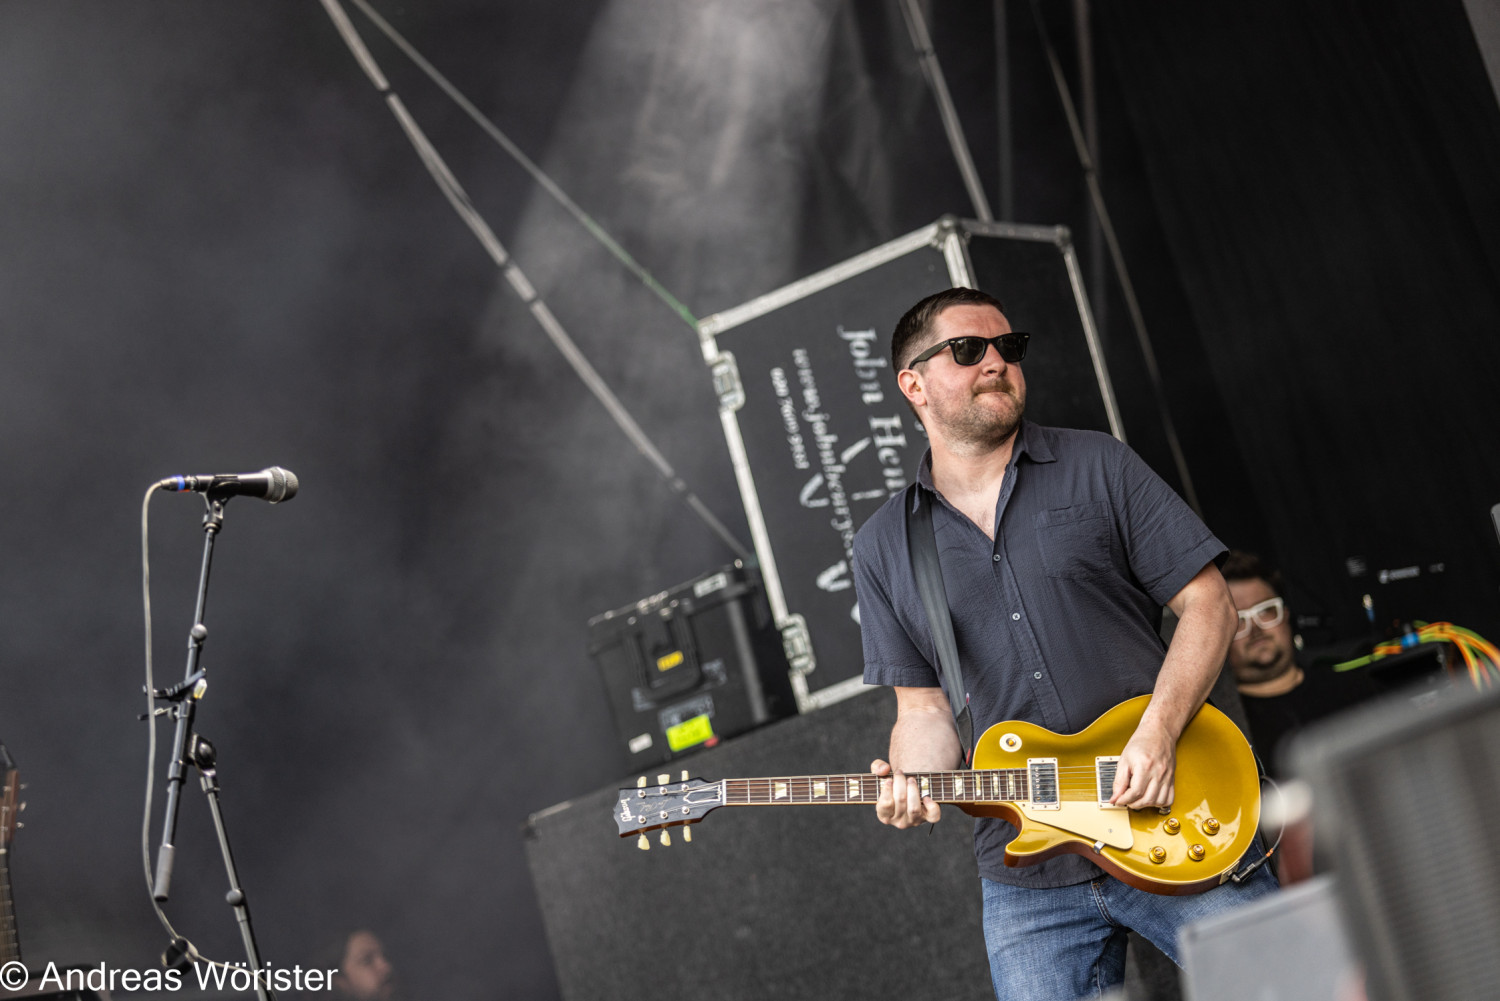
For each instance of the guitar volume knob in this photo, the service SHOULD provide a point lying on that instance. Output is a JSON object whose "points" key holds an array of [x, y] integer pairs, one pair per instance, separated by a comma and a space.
{"points": [[1171, 825], [1211, 826], [1196, 853], [1158, 854]]}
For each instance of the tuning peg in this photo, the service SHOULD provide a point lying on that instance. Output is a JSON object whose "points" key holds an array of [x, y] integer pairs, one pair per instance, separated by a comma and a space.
{"points": [[687, 834], [663, 779], [644, 843], [666, 839], [684, 775]]}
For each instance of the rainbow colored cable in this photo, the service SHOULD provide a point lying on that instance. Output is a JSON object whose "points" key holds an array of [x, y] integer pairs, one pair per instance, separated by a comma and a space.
{"points": [[1481, 657]]}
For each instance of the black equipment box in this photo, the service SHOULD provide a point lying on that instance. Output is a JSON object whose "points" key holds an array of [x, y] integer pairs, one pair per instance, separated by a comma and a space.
{"points": [[696, 663], [820, 435]]}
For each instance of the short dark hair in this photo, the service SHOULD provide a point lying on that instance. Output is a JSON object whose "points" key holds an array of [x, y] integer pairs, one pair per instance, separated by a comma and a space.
{"points": [[913, 328], [1240, 565]]}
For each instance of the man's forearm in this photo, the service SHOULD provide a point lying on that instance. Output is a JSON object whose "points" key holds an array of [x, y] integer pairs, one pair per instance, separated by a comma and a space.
{"points": [[924, 738], [1145, 773], [1199, 645]]}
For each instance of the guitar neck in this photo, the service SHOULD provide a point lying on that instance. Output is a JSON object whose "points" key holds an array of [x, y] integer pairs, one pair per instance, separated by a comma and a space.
{"points": [[997, 785], [1042, 784], [10, 939], [10, 806]]}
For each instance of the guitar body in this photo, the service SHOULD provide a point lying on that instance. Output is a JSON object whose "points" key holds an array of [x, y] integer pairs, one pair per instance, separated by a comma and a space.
{"points": [[1191, 848]]}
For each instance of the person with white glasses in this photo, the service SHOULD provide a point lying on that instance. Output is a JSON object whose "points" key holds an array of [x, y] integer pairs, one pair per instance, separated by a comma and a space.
{"points": [[1280, 694]]}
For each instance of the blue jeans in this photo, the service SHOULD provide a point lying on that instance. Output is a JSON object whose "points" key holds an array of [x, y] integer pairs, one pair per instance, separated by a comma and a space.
{"points": [[1068, 942]]}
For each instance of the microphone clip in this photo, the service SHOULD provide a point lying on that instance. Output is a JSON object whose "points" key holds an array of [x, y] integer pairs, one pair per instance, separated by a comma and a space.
{"points": [[194, 684]]}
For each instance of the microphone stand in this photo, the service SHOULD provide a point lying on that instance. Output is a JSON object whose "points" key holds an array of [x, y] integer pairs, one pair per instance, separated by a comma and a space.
{"points": [[189, 747]]}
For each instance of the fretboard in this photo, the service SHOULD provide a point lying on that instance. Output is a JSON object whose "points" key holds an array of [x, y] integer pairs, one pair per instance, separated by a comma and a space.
{"points": [[1000, 785], [10, 939]]}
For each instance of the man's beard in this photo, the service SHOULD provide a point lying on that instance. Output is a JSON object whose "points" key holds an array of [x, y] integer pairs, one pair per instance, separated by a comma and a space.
{"points": [[1267, 660], [974, 425]]}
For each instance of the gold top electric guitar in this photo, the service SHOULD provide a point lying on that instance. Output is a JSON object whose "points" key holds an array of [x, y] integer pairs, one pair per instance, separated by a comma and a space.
{"points": [[1054, 788]]}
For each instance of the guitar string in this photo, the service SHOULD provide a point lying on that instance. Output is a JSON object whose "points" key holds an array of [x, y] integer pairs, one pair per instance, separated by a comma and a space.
{"points": [[850, 776], [1067, 795], [800, 787], [1068, 782], [1074, 793], [845, 777], [976, 778]]}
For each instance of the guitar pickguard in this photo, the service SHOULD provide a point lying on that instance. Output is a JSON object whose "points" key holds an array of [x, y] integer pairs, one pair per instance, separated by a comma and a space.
{"points": [[1109, 824]]}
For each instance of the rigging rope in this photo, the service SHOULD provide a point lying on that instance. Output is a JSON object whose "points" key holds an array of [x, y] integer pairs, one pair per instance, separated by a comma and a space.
{"points": [[547, 184], [459, 199]]}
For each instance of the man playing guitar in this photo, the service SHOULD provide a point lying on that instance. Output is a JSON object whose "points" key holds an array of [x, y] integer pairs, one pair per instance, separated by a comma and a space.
{"points": [[1058, 550]]}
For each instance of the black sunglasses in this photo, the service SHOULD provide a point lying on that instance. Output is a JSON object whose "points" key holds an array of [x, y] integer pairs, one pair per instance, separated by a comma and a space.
{"points": [[970, 350]]}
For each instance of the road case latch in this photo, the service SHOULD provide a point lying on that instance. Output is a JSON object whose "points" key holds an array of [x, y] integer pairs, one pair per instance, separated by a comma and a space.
{"points": [[727, 384], [797, 642]]}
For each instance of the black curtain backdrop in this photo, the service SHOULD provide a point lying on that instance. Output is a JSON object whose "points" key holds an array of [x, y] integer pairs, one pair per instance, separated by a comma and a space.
{"points": [[1325, 176], [881, 146]]}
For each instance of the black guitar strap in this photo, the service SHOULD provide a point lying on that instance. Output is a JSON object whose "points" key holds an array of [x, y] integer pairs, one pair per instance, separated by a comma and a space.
{"points": [[928, 571]]}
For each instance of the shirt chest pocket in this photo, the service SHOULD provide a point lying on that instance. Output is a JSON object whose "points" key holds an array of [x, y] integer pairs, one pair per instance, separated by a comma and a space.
{"points": [[1076, 542]]}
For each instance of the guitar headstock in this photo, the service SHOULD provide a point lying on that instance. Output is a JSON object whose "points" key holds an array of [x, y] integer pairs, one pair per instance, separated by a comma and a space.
{"points": [[666, 804]]}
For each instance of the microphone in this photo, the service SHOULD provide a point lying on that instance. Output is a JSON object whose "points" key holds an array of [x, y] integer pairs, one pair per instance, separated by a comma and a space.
{"points": [[274, 484]]}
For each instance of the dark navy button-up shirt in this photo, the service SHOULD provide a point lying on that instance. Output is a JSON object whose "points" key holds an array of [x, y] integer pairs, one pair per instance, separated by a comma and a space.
{"points": [[1057, 617]]}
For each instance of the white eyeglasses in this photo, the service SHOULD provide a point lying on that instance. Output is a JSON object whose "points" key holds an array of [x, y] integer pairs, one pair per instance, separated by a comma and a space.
{"points": [[1268, 614]]}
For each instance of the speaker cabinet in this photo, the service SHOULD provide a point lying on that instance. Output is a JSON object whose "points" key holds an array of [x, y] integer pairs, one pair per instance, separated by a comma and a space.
{"points": [[814, 902], [1405, 812]]}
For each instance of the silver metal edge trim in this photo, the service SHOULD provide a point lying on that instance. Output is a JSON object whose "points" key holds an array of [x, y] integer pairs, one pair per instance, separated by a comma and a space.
{"points": [[848, 688], [1091, 335], [956, 254], [733, 317], [805, 703], [759, 537], [1017, 231]]}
